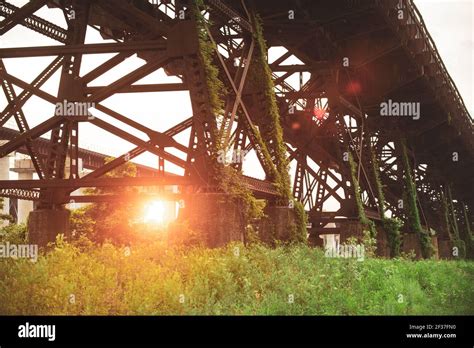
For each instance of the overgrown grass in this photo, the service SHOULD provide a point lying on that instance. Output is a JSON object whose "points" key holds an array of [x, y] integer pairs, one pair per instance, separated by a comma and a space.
{"points": [[153, 279]]}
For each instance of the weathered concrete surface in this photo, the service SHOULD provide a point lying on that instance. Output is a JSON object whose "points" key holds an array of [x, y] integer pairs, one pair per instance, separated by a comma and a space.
{"points": [[277, 225], [410, 241], [214, 217], [45, 224]]}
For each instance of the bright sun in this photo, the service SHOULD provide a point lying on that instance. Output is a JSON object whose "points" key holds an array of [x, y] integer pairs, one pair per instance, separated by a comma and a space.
{"points": [[154, 212]]}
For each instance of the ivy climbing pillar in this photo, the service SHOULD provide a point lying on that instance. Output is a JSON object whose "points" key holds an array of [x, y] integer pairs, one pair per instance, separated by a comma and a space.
{"points": [[207, 92], [215, 211], [267, 112], [391, 226], [413, 216], [453, 225], [267, 118], [233, 207], [468, 238], [444, 235], [369, 231]]}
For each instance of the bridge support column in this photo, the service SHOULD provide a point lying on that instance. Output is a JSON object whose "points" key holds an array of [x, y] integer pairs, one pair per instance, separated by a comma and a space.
{"points": [[214, 218], [445, 247], [411, 242], [45, 224], [280, 224], [25, 170], [4, 175], [24, 206]]}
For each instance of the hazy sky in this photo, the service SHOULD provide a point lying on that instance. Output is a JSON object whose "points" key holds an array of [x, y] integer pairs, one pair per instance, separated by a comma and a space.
{"points": [[449, 22]]}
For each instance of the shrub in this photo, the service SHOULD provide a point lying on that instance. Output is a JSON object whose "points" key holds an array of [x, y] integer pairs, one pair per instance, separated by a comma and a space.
{"points": [[83, 278], [392, 228], [14, 234]]}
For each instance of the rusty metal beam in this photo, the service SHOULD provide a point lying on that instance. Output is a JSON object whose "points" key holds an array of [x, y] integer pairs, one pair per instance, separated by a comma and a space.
{"points": [[35, 23], [19, 15], [94, 182], [160, 87], [98, 48]]}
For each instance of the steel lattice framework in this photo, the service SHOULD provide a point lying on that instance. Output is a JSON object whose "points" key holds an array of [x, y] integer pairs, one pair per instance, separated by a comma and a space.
{"points": [[357, 55]]}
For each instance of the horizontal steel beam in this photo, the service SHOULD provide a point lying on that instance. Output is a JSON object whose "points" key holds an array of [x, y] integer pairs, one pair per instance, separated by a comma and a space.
{"points": [[81, 49], [94, 182], [161, 87], [163, 196], [314, 66], [253, 184]]}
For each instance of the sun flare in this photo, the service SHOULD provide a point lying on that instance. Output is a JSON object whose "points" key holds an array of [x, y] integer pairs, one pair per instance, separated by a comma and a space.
{"points": [[154, 212]]}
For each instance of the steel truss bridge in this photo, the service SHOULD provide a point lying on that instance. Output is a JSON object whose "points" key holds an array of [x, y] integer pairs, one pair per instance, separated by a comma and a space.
{"points": [[357, 54]]}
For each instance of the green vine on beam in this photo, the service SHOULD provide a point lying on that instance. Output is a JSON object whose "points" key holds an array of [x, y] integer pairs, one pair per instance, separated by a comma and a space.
{"points": [[301, 220], [232, 184], [378, 183], [226, 178], [390, 225], [453, 235], [444, 204], [454, 231], [453, 213], [370, 232], [413, 215], [468, 237], [216, 88], [260, 75], [271, 170], [207, 49]]}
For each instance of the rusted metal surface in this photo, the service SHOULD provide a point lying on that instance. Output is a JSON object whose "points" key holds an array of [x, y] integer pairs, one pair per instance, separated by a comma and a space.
{"points": [[390, 58]]}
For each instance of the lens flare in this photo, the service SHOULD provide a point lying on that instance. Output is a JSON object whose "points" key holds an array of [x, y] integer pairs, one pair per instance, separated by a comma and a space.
{"points": [[154, 212], [354, 88]]}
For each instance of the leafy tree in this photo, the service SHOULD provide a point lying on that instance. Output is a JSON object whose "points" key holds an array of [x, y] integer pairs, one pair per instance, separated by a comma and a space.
{"points": [[13, 233], [4, 217], [108, 221]]}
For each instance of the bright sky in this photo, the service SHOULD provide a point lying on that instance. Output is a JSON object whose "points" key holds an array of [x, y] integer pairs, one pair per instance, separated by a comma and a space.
{"points": [[449, 22]]}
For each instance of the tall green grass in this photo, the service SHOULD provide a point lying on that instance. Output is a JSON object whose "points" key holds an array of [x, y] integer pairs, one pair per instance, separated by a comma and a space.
{"points": [[153, 279]]}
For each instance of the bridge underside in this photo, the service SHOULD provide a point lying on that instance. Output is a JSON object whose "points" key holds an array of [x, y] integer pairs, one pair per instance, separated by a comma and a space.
{"points": [[348, 58]]}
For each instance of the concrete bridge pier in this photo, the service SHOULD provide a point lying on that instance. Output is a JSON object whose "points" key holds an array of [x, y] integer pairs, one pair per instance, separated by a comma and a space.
{"points": [[279, 224], [445, 246], [214, 218], [45, 224], [5, 175], [25, 170]]}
